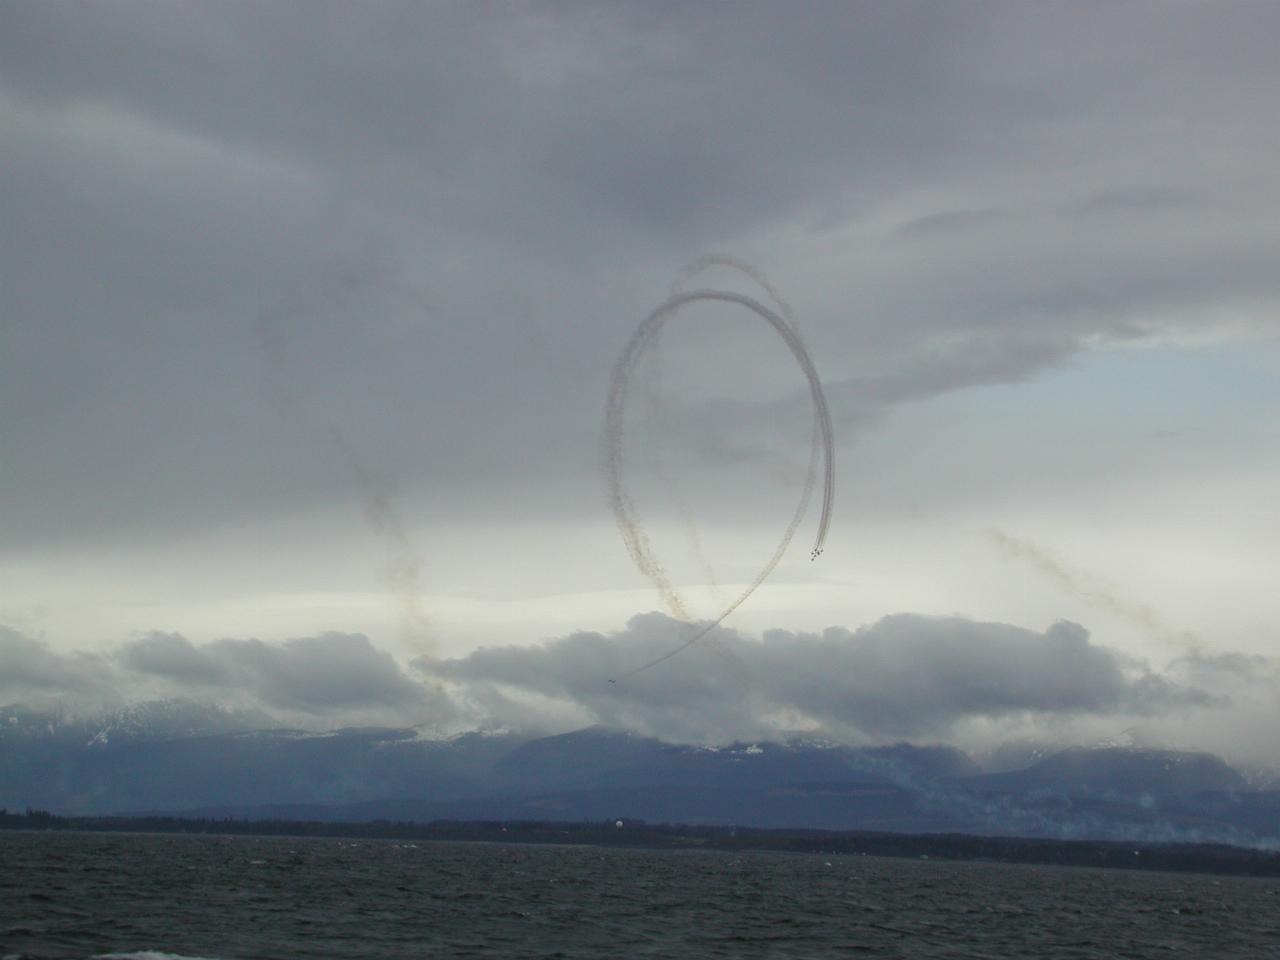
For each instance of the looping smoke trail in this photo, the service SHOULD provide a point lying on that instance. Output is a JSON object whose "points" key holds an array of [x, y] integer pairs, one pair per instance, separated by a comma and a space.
{"points": [[633, 535], [713, 260], [705, 264]]}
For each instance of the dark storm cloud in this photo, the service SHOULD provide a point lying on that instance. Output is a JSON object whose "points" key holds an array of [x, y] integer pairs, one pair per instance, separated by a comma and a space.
{"points": [[905, 676]]}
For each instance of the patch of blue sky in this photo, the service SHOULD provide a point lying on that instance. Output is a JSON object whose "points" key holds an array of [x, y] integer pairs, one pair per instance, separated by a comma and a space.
{"points": [[1167, 385], [1130, 418], [1217, 392]]}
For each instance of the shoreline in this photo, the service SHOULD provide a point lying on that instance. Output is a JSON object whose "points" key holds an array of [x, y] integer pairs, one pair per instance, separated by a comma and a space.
{"points": [[1215, 858]]}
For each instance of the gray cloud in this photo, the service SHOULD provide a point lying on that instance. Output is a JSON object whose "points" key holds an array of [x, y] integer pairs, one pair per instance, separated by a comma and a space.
{"points": [[905, 676], [500, 194], [329, 673], [1214, 669], [950, 221], [327, 680], [1244, 726], [1136, 198], [30, 671]]}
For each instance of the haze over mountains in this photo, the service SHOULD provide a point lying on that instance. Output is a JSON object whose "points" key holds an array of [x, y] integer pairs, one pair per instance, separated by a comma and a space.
{"points": [[179, 758]]}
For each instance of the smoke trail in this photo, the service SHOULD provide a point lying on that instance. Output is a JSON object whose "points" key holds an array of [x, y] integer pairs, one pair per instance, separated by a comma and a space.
{"points": [[701, 265], [404, 563], [1090, 590], [713, 260], [633, 535], [655, 420], [404, 568], [652, 394]]}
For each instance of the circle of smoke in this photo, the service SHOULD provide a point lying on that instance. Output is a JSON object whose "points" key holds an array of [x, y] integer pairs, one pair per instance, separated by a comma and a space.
{"points": [[633, 534], [705, 264]]}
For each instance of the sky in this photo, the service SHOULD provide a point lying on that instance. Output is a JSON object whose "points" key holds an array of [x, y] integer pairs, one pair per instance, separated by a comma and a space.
{"points": [[307, 320]]}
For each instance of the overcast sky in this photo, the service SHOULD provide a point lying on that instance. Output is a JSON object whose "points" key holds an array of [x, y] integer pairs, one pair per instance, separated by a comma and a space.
{"points": [[307, 316]]}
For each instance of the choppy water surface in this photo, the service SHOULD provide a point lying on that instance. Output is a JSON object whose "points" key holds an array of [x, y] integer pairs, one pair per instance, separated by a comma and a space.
{"points": [[86, 895]]}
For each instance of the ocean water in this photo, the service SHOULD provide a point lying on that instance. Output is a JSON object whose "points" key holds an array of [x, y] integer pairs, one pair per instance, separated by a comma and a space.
{"points": [[151, 897]]}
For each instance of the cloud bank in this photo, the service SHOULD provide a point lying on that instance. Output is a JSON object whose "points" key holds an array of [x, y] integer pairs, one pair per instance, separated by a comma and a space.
{"points": [[905, 677], [323, 681]]}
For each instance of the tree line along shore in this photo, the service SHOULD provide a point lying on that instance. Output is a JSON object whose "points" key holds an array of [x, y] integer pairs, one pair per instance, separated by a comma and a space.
{"points": [[1193, 857]]}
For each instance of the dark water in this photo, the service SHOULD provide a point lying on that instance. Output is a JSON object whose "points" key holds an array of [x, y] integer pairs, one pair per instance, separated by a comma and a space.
{"points": [[85, 895]]}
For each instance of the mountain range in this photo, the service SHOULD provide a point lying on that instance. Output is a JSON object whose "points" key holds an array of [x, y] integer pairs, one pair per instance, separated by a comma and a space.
{"points": [[177, 758]]}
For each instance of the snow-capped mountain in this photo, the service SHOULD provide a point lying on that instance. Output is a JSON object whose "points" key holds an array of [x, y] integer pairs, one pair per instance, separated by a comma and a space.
{"points": [[178, 758]]}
